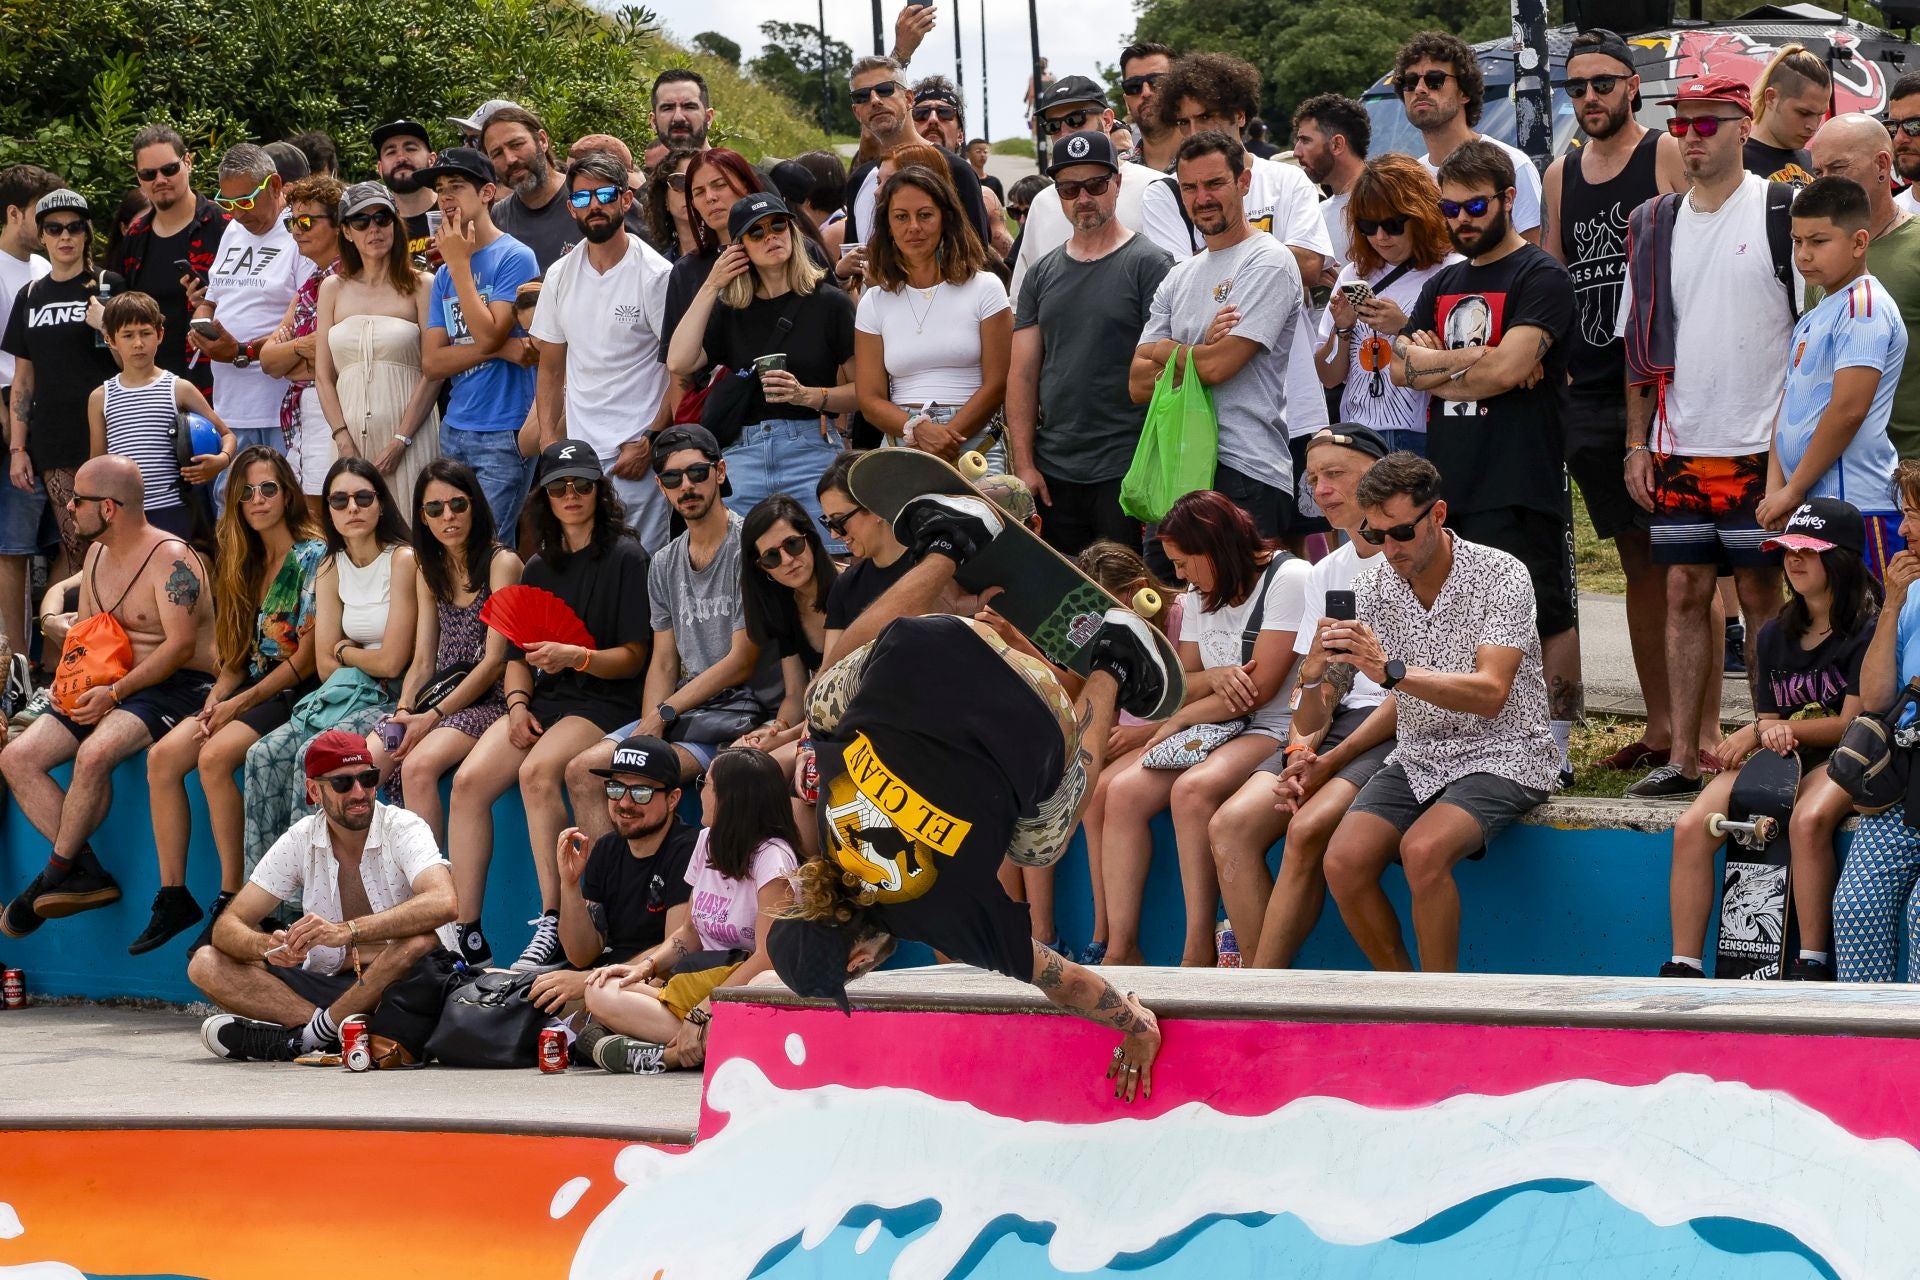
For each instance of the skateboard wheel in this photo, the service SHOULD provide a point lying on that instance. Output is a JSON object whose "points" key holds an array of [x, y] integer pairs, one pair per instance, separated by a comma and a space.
{"points": [[1765, 830], [972, 465], [1146, 602], [1713, 825]]}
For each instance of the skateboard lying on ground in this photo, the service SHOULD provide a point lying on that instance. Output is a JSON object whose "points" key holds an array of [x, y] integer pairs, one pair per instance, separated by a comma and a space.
{"points": [[1758, 931], [1043, 595]]}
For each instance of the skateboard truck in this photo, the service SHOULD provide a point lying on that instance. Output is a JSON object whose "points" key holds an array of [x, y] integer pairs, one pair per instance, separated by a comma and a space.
{"points": [[1755, 834]]}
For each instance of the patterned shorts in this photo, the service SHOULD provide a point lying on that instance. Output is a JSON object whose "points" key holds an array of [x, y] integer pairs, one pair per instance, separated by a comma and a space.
{"points": [[1704, 510]]}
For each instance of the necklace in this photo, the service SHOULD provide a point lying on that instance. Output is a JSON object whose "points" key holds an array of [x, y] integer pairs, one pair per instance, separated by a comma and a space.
{"points": [[1894, 219], [920, 317]]}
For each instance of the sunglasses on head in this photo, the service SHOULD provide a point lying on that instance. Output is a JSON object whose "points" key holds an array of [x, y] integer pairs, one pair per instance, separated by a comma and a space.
{"points": [[167, 170], [266, 489], [570, 484], [1602, 85], [1399, 532], [766, 227], [52, 228], [603, 195], [837, 525], [343, 783], [1092, 186], [1371, 226], [362, 498], [1910, 126], [373, 218], [886, 90], [434, 509], [786, 549], [697, 474], [1432, 79], [244, 204], [1132, 85], [638, 792], [1705, 126], [1473, 208], [929, 110], [303, 222], [1072, 120]]}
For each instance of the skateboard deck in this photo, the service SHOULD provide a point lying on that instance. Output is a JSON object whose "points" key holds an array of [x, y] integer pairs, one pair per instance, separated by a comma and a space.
{"points": [[1043, 595], [1758, 932]]}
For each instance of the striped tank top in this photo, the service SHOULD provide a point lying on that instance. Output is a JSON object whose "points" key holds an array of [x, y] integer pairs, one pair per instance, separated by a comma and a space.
{"points": [[140, 424]]}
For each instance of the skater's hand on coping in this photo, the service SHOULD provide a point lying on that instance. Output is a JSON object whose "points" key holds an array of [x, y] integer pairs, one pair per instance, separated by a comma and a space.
{"points": [[1131, 1069]]}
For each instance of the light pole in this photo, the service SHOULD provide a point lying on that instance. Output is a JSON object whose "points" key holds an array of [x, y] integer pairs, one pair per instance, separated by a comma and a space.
{"points": [[1033, 85], [826, 75], [986, 116], [959, 70], [879, 27]]}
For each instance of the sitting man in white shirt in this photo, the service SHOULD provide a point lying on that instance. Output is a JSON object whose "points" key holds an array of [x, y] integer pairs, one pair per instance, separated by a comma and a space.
{"points": [[379, 898]]}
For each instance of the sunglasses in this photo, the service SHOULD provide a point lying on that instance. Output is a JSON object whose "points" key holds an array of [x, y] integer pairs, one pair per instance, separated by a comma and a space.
{"points": [[602, 195], [377, 218], [303, 222], [787, 549], [1399, 532], [837, 525], [766, 227], [638, 792], [58, 229], [1432, 79], [677, 182], [164, 171], [1602, 85], [928, 112], [861, 96], [1451, 209], [266, 489], [79, 498], [1092, 186], [362, 498], [1372, 226], [343, 783], [1705, 126], [1132, 85], [1018, 212], [570, 484], [1910, 126], [244, 204], [697, 473], [433, 510], [1074, 120]]}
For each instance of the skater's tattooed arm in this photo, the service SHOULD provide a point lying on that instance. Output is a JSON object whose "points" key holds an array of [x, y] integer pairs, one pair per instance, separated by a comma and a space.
{"points": [[1084, 993]]}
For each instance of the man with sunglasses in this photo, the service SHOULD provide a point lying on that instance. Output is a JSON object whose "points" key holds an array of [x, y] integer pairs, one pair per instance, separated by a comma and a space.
{"points": [[598, 325], [939, 115], [1143, 65], [169, 248], [401, 151], [1903, 130], [373, 943], [1441, 86], [882, 103]]}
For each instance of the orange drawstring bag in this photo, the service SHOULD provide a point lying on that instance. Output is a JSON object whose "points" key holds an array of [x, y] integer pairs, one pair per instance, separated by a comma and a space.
{"points": [[97, 653]]}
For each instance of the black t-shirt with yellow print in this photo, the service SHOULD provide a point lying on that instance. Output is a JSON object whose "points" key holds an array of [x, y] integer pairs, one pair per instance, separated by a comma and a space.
{"points": [[943, 748]]}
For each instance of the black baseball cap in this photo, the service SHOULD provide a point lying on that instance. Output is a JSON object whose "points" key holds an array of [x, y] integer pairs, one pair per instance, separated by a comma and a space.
{"points": [[459, 162], [811, 958], [748, 210], [1090, 147], [684, 436], [1821, 524], [567, 459], [399, 129], [1352, 435], [1072, 89], [644, 756]]}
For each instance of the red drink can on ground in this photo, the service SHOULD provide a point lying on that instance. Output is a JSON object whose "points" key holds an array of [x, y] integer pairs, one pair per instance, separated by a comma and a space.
{"points": [[553, 1050], [13, 989], [355, 1053]]}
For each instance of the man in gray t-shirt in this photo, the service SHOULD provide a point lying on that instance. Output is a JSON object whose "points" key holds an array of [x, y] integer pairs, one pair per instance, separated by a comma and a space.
{"points": [[1235, 305], [1071, 425]]}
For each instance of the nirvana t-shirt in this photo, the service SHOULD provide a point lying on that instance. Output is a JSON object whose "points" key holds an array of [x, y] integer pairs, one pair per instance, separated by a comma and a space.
{"points": [[1777, 164], [49, 327], [495, 394], [1505, 451], [609, 592], [628, 897], [1793, 679], [862, 584], [549, 231], [921, 784], [817, 341]]}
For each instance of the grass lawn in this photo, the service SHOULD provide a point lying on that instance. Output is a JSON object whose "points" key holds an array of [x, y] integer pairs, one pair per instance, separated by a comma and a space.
{"points": [[1596, 564], [1595, 738], [1014, 147]]}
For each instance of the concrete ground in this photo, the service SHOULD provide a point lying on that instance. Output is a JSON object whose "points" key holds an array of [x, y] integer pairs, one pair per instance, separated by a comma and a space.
{"points": [[1606, 664]]}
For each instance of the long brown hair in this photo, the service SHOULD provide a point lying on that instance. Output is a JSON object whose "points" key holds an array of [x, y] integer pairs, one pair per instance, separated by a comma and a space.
{"points": [[1397, 186], [240, 569], [660, 223], [399, 266], [959, 253]]}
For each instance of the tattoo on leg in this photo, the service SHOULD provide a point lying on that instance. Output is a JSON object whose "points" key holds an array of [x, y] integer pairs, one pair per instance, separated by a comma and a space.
{"points": [[183, 586], [1564, 698]]}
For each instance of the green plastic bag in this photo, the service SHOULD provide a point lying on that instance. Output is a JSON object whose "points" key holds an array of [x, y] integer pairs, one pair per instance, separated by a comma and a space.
{"points": [[1179, 444]]}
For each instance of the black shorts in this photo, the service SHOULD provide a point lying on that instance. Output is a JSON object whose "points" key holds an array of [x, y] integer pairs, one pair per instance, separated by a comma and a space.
{"points": [[159, 707], [1271, 508], [1596, 457], [1304, 524], [277, 710], [1078, 514], [408, 1008], [1541, 542]]}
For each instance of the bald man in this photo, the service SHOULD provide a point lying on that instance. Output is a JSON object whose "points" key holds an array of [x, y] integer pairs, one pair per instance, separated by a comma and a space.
{"points": [[1856, 146], [154, 587]]}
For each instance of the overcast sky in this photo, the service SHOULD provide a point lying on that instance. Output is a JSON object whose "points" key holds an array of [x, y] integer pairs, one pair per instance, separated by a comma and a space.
{"points": [[1074, 36]]}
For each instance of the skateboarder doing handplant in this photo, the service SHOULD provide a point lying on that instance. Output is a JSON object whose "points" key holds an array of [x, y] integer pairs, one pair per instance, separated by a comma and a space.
{"points": [[941, 751]]}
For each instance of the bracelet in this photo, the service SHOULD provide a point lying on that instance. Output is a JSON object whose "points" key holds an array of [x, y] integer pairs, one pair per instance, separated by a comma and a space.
{"points": [[353, 934], [1293, 747], [19, 448], [341, 431], [1343, 333], [1315, 685], [526, 700], [586, 660], [1637, 448], [114, 693]]}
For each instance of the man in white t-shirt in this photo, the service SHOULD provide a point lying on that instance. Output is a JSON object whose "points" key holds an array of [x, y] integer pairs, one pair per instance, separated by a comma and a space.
{"points": [[21, 187], [598, 325], [379, 908], [1331, 135], [1442, 89], [1903, 130]]}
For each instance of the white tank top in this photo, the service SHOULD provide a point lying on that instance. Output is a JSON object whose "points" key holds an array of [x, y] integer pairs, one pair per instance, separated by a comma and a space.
{"points": [[365, 595]]}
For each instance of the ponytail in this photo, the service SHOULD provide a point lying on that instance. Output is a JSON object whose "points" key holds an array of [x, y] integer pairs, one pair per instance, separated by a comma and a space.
{"points": [[1790, 71]]}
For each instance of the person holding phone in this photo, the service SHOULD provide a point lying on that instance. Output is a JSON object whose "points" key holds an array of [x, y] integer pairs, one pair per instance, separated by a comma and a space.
{"points": [[169, 250]]}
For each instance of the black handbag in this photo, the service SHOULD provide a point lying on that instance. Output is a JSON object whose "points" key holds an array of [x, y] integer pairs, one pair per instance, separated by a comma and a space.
{"points": [[721, 718], [1874, 762], [489, 1022], [444, 682], [729, 397]]}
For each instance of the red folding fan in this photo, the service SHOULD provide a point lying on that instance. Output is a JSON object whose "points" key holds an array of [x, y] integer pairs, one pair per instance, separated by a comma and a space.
{"points": [[528, 616]]}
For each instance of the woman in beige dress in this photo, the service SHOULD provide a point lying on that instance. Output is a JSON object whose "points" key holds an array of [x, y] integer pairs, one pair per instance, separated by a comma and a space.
{"points": [[378, 403]]}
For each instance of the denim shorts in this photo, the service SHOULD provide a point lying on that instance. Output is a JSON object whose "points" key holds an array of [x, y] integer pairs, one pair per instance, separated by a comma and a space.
{"points": [[20, 515], [504, 474], [783, 456], [648, 513]]}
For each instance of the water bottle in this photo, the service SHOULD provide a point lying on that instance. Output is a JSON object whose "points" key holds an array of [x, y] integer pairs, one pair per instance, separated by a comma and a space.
{"points": [[106, 291]]}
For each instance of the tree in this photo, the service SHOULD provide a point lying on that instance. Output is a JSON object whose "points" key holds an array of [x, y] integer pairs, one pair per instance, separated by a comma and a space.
{"points": [[715, 45], [790, 64]]}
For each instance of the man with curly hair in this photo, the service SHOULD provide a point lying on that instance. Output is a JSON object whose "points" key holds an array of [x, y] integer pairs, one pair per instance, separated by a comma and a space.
{"points": [[1441, 86]]}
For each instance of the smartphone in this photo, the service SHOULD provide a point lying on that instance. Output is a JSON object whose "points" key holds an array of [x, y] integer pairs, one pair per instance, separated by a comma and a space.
{"points": [[391, 734], [185, 268], [919, 4], [206, 327], [1357, 292], [1340, 606]]}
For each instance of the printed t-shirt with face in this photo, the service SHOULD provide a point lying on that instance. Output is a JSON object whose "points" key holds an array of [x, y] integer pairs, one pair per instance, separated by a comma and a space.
{"points": [[702, 607], [921, 783], [549, 231], [1221, 634], [49, 328], [818, 341], [1507, 450], [495, 394], [726, 912], [862, 584], [15, 275], [252, 282], [932, 337], [609, 592], [1254, 410], [628, 897], [610, 322], [1793, 678], [1525, 214], [1857, 328]]}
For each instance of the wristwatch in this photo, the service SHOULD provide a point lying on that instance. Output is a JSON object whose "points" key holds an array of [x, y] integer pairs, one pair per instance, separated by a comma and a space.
{"points": [[668, 713], [1396, 672], [245, 358]]}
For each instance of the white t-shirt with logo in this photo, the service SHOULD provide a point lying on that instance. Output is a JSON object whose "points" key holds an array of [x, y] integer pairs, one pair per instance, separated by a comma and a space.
{"points": [[611, 323], [251, 284], [1048, 226], [1526, 183], [15, 275]]}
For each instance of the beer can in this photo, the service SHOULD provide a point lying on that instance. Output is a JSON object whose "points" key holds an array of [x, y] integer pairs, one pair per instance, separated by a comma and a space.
{"points": [[13, 989], [355, 1053], [1227, 947], [553, 1050]]}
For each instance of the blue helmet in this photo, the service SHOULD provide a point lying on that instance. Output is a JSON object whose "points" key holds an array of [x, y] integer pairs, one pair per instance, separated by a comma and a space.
{"points": [[194, 436]]}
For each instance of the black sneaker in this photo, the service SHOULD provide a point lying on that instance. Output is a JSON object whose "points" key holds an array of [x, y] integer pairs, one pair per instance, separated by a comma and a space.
{"points": [[1799, 970], [240, 1039], [628, 1056], [1736, 657], [1124, 649], [473, 946], [1666, 783], [543, 949], [205, 937], [1674, 969], [85, 888], [174, 912], [958, 526], [20, 918]]}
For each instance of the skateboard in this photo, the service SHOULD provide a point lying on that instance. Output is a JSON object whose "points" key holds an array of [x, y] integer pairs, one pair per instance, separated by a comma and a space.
{"points": [[1043, 595], [1758, 930]]}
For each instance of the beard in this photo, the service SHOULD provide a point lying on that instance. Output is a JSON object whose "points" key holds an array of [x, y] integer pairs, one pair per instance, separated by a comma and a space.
{"points": [[643, 826], [402, 181], [533, 177], [600, 228], [1482, 239], [1616, 120]]}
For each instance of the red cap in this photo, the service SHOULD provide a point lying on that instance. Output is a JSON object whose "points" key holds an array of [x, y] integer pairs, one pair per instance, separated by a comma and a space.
{"points": [[335, 748], [1714, 88]]}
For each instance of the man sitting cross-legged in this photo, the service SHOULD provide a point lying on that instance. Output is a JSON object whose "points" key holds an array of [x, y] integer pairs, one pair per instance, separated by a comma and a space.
{"points": [[379, 897]]}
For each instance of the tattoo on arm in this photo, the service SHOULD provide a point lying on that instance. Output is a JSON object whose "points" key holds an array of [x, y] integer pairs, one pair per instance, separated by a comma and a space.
{"points": [[1415, 374], [1053, 972], [183, 586], [1545, 342]]}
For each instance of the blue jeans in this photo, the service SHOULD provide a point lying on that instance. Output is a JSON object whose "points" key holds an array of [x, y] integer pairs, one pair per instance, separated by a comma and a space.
{"points": [[1409, 441], [504, 474], [20, 515], [785, 456]]}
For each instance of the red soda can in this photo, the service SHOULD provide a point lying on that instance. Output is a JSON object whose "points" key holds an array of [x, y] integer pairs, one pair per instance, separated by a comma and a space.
{"points": [[553, 1050], [13, 989], [809, 773], [355, 1053]]}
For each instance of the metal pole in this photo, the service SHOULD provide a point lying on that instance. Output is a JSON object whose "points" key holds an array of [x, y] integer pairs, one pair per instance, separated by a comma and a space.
{"points": [[959, 74], [826, 74], [1033, 31], [986, 117], [1532, 106], [879, 30]]}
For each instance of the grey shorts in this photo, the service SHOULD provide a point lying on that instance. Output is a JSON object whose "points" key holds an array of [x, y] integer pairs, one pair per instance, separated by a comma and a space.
{"points": [[1362, 767], [1490, 800]]}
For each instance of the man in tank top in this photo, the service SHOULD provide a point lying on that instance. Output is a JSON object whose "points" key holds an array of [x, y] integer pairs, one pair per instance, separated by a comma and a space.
{"points": [[1587, 196], [155, 587]]}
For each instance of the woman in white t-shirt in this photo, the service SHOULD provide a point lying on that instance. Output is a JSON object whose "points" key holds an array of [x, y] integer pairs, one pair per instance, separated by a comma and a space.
{"points": [[934, 332], [1239, 586], [1398, 240]]}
